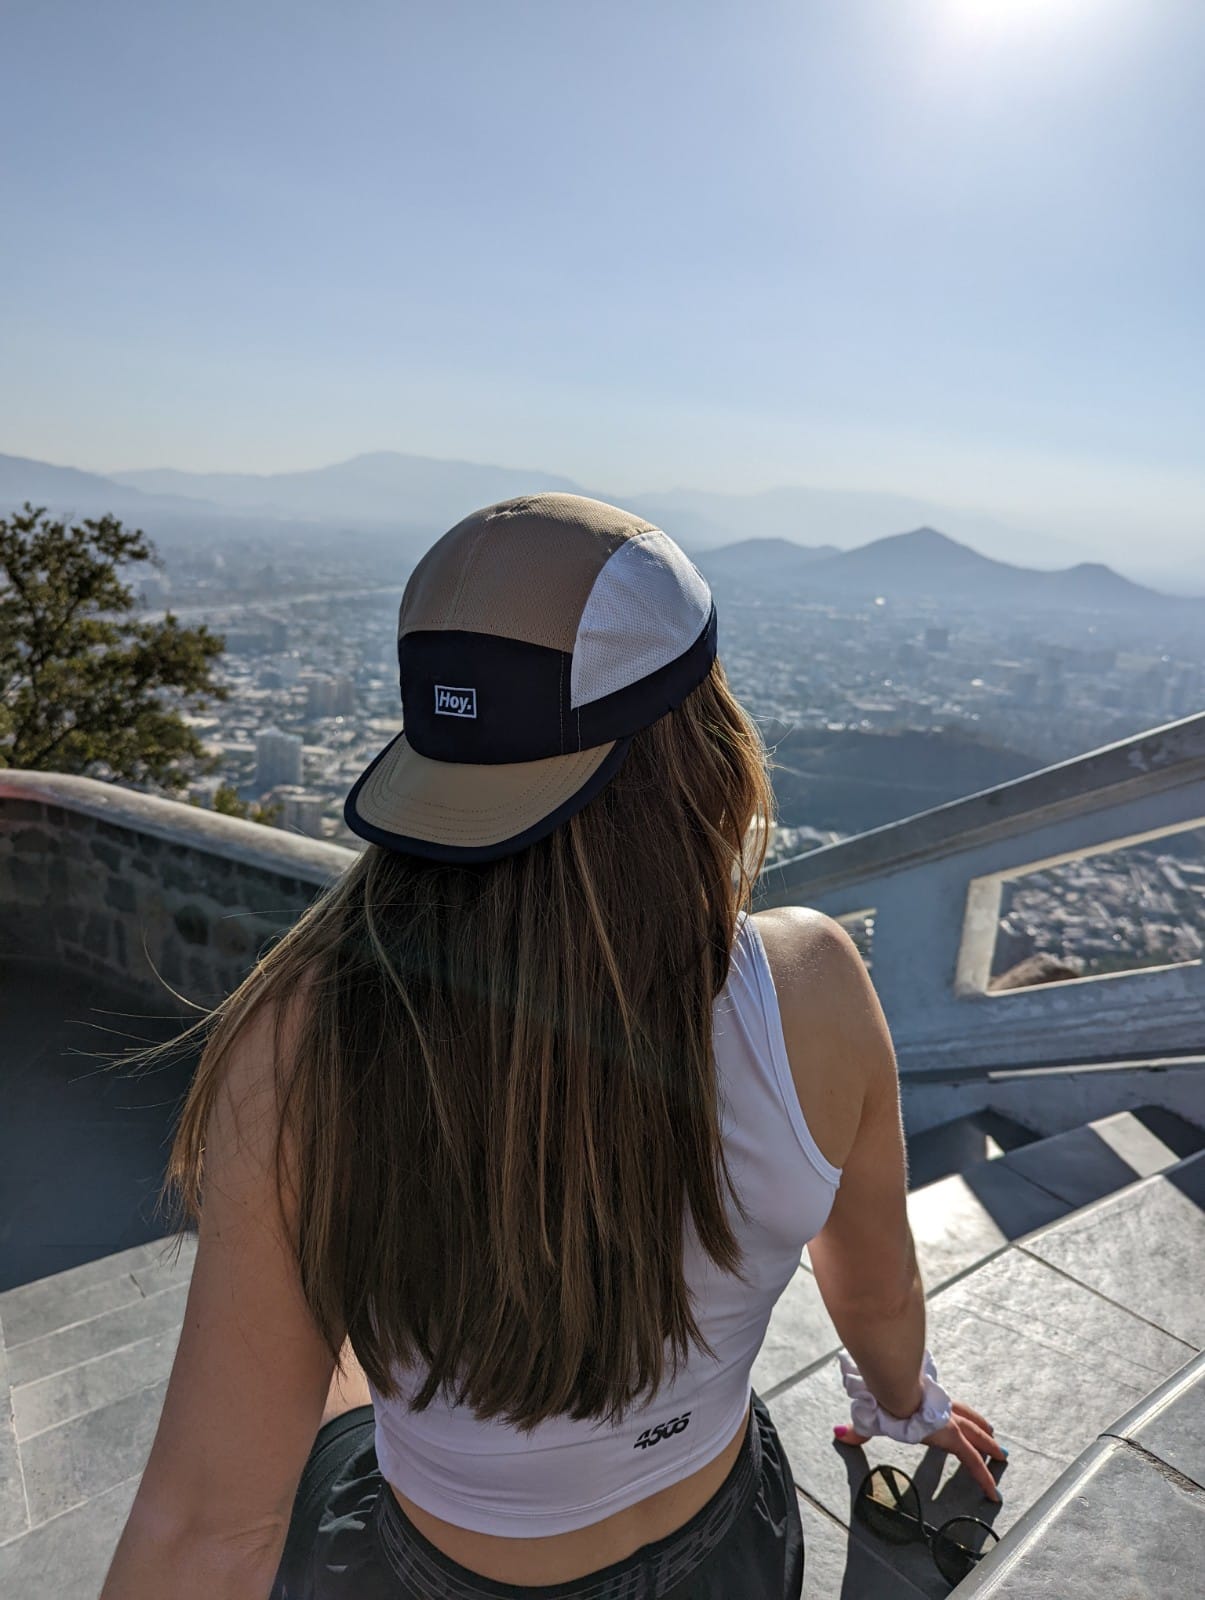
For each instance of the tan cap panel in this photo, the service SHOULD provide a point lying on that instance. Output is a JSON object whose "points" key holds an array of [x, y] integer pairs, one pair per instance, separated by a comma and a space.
{"points": [[470, 806], [532, 561]]}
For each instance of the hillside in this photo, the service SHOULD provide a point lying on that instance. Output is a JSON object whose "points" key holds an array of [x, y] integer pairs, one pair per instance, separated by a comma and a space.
{"points": [[65, 489], [927, 565], [853, 780], [845, 518], [418, 497], [384, 487], [754, 559]]}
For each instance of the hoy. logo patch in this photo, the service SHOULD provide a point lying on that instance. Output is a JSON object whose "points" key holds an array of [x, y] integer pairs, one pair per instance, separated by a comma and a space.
{"points": [[455, 702]]}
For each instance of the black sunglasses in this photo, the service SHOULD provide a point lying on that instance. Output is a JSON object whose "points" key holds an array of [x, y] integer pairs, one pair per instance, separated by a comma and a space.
{"points": [[887, 1502]]}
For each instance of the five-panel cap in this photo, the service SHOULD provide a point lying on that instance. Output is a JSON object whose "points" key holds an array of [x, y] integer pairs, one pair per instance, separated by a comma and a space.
{"points": [[534, 639]]}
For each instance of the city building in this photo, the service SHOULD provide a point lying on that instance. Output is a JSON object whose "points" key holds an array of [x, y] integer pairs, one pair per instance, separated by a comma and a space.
{"points": [[278, 759], [300, 809], [328, 696]]}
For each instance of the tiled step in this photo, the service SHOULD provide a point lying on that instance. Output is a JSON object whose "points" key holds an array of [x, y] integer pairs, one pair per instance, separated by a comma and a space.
{"points": [[67, 1558], [48, 1305], [950, 1147], [1143, 1247], [962, 1219], [84, 1359], [1086, 1163], [1052, 1338]]}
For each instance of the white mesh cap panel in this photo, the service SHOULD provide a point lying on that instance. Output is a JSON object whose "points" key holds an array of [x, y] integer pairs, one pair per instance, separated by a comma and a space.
{"points": [[647, 607]]}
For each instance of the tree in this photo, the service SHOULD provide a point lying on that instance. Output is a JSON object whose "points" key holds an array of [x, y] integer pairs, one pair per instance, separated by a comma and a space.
{"points": [[227, 800], [85, 686]]}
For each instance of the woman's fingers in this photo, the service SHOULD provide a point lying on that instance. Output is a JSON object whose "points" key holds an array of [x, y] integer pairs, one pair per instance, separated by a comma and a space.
{"points": [[965, 1411], [983, 1440], [977, 1467]]}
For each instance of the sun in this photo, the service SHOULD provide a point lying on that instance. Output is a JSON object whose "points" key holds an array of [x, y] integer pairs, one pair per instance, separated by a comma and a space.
{"points": [[995, 16]]}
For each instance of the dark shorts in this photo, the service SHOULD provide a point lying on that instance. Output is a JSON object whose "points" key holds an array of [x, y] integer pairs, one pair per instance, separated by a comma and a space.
{"points": [[350, 1540]]}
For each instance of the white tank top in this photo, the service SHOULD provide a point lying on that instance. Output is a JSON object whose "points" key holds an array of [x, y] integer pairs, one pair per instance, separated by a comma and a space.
{"points": [[488, 1477]]}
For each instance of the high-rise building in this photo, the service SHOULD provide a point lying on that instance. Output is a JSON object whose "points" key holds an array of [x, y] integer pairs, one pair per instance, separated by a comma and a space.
{"points": [[277, 759], [300, 810], [328, 696]]}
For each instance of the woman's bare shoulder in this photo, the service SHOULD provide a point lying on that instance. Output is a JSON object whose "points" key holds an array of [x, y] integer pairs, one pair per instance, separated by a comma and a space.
{"points": [[836, 1036], [815, 964]]}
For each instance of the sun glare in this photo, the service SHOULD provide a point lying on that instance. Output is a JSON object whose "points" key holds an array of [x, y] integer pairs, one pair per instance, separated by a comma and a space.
{"points": [[999, 16]]}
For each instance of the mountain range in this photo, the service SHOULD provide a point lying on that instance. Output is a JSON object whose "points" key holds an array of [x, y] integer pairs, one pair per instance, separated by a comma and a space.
{"points": [[926, 564], [419, 496], [390, 489]]}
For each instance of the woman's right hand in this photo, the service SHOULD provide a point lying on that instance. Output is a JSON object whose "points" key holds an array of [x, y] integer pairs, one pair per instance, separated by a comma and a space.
{"points": [[967, 1435]]}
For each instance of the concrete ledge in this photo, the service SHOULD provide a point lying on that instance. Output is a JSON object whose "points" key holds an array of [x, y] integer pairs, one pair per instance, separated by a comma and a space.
{"points": [[174, 821], [934, 882], [1053, 1099], [146, 891], [1161, 758]]}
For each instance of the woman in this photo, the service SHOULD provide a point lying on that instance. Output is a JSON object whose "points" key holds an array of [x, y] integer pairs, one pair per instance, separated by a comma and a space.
{"points": [[502, 1156]]}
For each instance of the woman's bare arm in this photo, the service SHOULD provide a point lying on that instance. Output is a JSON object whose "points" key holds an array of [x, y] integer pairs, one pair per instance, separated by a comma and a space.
{"points": [[249, 1380], [864, 1257], [844, 1066]]}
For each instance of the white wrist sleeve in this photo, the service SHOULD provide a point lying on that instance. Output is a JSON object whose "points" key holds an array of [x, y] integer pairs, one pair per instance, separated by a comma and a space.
{"points": [[868, 1416]]}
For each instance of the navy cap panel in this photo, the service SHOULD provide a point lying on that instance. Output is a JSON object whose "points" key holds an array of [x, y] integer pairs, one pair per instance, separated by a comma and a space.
{"points": [[477, 698], [481, 699]]}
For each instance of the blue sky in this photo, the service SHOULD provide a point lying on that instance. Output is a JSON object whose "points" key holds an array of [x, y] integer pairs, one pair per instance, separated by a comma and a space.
{"points": [[953, 248]]}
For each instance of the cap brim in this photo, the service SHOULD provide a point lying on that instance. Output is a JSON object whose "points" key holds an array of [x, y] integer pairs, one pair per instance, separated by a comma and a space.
{"points": [[454, 811]]}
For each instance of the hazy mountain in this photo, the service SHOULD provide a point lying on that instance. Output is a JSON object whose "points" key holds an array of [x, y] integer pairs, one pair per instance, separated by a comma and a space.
{"points": [[926, 564], [768, 537], [420, 491], [86, 494], [385, 487], [841, 517], [752, 560]]}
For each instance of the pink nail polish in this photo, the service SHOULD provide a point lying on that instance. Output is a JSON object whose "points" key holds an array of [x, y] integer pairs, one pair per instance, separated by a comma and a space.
{"points": [[840, 1428]]}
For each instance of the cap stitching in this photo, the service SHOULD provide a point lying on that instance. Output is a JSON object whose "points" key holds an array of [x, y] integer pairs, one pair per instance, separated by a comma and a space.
{"points": [[560, 704], [470, 562]]}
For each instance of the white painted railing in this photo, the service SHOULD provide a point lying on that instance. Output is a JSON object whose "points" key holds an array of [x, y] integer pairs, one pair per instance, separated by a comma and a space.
{"points": [[934, 882]]}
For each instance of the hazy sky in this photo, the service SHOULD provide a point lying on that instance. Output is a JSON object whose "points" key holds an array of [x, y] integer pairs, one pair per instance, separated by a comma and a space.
{"points": [[949, 247]]}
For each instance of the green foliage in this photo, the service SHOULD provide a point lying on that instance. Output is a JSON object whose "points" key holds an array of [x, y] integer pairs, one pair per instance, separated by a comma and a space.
{"points": [[226, 800], [85, 686]]}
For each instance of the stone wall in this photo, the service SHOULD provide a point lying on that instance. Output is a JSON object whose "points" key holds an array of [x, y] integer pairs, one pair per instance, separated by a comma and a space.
{"points": [[146, 892]]}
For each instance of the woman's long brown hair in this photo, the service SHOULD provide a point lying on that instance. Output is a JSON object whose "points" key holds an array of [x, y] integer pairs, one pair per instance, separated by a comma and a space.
{"points": [[501, 1111]]}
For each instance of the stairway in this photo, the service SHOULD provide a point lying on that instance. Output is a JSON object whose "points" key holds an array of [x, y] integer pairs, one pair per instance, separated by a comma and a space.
{"points": [[1063, 1279], [1062, 1275]]}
